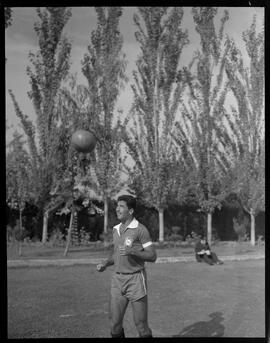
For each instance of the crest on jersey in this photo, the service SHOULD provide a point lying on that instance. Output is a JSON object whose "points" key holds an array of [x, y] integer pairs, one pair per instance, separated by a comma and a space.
{"points": [[128, 242]]}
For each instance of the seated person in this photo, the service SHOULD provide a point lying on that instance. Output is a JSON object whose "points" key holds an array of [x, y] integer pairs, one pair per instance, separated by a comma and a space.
{"points": [[203, 252]]}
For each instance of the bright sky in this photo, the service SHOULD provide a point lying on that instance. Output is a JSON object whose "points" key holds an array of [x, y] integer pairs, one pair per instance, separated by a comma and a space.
{"points": [[21, 39]]}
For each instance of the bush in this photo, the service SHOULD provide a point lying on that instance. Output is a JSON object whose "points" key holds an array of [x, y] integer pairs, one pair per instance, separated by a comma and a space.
{"points": [[215, 237], [9, 233], [84, 237], [107, 238], [57, 238], [174, 237], [161, 245], [20, 234], [240, 229], [176, 230]]}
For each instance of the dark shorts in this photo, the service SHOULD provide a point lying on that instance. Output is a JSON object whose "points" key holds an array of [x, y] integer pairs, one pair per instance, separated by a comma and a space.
{"points": [[132, 286]]}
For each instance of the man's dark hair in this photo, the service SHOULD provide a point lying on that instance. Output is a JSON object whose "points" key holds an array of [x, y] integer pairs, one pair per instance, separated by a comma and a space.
{"points": [[129, 199]]}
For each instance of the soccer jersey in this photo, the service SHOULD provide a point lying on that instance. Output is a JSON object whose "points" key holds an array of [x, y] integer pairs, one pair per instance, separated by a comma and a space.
{"points": [[135, 235]]}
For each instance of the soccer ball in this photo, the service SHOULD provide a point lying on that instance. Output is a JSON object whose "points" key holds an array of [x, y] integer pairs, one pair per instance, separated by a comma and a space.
{"points": [[83, 141]]}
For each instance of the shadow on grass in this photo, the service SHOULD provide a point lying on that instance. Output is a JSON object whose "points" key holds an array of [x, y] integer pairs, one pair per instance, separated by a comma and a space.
{"points": [[211, 328]]}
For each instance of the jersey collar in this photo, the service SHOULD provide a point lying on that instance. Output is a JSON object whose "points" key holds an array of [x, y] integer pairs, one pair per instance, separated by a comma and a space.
{"points": [[132, 225]]}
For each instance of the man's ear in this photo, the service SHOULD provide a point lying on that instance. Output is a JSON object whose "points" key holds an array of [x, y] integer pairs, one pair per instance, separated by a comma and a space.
{"points": [[131, 211]]}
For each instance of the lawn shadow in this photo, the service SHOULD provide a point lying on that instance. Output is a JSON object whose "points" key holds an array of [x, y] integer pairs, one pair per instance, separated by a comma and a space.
{"points": [[211, 328]]}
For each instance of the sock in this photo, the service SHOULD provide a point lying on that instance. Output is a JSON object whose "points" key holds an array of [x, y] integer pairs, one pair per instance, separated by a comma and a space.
{"points": [[119, 335], [149, 335]]}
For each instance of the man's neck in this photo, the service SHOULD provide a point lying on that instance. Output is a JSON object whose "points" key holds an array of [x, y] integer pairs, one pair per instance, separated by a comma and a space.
{"points": [[127, 221]]}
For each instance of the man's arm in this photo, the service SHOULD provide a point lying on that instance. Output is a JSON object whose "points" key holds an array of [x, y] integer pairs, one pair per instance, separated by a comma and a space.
{"points": [[199, 248], [108, 262], [148, 254]]}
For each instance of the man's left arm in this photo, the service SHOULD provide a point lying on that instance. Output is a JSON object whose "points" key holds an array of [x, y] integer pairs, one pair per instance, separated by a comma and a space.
{"points": [[148, 254]]}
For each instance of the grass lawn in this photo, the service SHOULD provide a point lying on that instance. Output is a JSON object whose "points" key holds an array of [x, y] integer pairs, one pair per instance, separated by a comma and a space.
{"points": [[96, 250], [185, 300]]}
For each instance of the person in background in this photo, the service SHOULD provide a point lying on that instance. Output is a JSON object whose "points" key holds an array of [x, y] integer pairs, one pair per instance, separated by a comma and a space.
{"points": [[203, 252]]}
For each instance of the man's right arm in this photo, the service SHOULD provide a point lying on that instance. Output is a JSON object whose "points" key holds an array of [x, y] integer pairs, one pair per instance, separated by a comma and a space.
{"points": [[108, 262]]}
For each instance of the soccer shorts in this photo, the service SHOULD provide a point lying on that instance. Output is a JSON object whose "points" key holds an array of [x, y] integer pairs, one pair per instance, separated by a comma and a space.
{"points": [[132, 286]]}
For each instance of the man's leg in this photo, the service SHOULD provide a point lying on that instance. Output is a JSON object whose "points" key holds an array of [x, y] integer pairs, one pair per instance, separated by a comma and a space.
{"points": [[198, 258], [215, 258], [140, 315], [118, 305], [207, 259]]}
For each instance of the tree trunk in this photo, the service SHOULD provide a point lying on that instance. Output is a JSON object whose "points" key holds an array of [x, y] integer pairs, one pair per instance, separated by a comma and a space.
{"points": [[69, 232], [161, 224], [252, 228], [45, 227], [106, 214], [209, 227], [20, 241]]}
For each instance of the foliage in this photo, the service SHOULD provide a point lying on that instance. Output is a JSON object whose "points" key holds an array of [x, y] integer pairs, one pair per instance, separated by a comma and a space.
{"points": [[159, 84], [18, 174], [246, 147], [198, 135], [8, 17], [49, 67], [240, 228], [56, 238], [104, 68], [84, 237], [19, 233]]}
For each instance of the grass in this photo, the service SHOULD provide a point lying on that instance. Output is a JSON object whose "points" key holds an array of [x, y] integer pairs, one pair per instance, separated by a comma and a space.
{"points": [[96, 250], [185, 300]]}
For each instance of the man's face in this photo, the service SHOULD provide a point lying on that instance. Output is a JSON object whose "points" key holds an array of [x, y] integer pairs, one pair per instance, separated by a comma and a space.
{"points": [[122, 211]]}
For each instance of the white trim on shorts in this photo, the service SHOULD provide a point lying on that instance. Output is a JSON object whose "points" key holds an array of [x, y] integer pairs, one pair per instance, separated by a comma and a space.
{"points": [[144, 283]]}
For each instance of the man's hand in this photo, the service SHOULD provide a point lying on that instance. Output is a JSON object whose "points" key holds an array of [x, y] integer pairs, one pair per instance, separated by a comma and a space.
{"points": [[101, 267], [124, 250]]}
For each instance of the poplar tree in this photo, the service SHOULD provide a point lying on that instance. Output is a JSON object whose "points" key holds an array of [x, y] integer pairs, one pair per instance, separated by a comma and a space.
{"points": [[158, 87], [199, 134], [104, 68], [246, 123], [48, 68]]}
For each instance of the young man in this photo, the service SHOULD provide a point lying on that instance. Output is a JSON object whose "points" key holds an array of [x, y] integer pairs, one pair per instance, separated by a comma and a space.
{"points": [[132, 248], [203, 252]]}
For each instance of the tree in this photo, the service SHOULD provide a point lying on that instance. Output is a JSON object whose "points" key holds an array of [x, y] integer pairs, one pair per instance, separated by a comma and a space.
{"points": [[8, 17], [246, 123], [159, 84], [49, 67], [200, 133], [18, 179], [104, 66]]}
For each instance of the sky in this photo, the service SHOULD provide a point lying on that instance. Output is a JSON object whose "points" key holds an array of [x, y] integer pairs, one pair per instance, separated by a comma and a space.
{"points": [[20, 39]]}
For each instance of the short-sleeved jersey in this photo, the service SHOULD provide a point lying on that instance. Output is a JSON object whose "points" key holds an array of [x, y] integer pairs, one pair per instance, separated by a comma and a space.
{"points": [[138, 236]]}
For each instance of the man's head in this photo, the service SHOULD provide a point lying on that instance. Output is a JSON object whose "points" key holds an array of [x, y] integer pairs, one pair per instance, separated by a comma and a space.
{"points": [[202, 239], [126, 205]]}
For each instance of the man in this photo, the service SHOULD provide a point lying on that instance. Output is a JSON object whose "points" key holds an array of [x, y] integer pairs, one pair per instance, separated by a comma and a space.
{"points": [[132, 248], [203, 252]]}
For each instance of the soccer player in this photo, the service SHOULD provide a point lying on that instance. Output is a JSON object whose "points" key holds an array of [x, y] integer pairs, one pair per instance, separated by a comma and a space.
{"points": [[132, 248]]}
